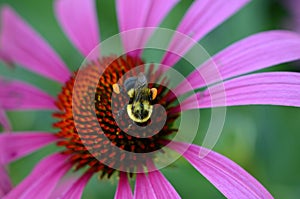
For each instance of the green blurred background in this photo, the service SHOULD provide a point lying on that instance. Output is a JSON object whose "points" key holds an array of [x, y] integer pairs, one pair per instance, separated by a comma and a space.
{"points": [[262, 139]]}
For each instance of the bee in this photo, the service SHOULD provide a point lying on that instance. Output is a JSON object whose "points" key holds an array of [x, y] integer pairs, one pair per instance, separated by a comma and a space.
{"points": [[141, 97]]}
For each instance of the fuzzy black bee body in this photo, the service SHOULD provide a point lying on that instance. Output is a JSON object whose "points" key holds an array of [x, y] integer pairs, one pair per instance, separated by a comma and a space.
{"points": [[140, 106]]}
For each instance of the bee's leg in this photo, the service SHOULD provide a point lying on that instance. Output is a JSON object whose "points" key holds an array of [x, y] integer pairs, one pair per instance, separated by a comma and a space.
{"points": [[129, 83]]}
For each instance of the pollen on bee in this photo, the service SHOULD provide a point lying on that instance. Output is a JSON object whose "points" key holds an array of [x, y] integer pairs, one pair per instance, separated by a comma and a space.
{"points": [[154, 93], [131, 93], [116, 88]]}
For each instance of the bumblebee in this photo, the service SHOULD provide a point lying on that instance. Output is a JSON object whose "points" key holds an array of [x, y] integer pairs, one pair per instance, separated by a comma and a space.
{"points": [[140, 105]]}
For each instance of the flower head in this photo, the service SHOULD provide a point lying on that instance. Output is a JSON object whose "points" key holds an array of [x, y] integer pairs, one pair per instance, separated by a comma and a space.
{"points": [[114, 111]]}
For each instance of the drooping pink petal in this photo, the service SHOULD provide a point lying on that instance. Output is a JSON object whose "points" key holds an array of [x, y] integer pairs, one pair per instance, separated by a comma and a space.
{"points": [[4, 120], [161, 186], [143, 188], [43, 179], [256, 52], [157, 12], [293, 21], [18, 144], [78, 18], [132, 14], [63, 185], [124, 189], [228, 177], [139, 14], [75, 191], [5, 58], [202, 17], [270, 88], [17, 95], [22, 45], [5, 183]]}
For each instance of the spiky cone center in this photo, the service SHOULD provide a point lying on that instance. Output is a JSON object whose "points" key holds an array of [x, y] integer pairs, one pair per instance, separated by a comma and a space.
{"points": [[88, 128]]}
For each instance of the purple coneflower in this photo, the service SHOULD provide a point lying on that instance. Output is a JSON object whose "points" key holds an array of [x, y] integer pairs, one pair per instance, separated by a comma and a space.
{"points": [[22, 45]]}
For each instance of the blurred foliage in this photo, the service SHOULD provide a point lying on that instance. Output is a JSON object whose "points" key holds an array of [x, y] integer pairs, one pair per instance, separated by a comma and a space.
{"points": [[262, 139]]}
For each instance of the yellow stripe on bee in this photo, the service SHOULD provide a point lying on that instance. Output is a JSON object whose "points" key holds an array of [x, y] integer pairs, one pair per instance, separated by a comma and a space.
{"points": [[131, 93], [147, 107]]}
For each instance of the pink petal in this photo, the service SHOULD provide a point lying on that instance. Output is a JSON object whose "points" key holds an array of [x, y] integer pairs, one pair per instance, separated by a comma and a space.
{"points": [[23, 45], [271, 88], [75, 191], [253, 53], [4, 120], [202, 17], [78, 18], [229, 178], [158, 11], [124, 189], [16, 145], [17, 95], [143, 188], [292, 20], [43, 179], [161, 186], [63, 185], [139, 14], [5, 58], [5, 183]]}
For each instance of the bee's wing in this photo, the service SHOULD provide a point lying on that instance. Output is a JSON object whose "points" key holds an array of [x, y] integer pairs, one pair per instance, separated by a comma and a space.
{"points": [[141, 81], [129, 83]]}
